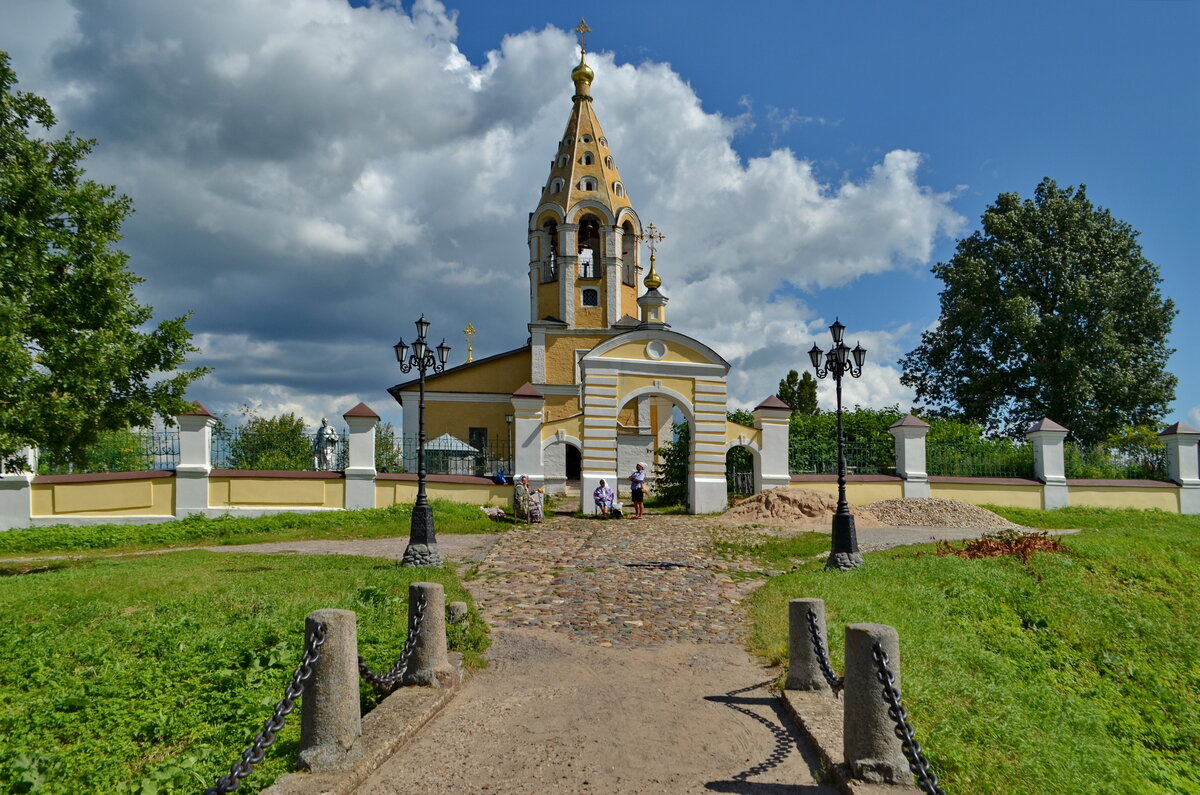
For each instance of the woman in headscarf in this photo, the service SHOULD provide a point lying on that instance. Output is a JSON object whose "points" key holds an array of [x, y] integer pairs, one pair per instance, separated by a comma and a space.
{"points": [[604, 497], [527, 504]]}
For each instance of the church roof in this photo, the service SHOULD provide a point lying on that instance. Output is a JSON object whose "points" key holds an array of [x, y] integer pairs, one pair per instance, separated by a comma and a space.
{"points": [[583, 159]]}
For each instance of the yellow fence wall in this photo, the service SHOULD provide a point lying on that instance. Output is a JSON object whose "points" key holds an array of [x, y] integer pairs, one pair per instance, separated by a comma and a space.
{"points": [[859, 493], [142, 497], [1164, 499], [1013, 496], [392, 492], [276, 492]]}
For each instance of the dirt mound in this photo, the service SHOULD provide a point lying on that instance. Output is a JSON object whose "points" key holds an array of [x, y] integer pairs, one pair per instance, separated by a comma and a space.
{"points": [[801, 508], [932, 512]]}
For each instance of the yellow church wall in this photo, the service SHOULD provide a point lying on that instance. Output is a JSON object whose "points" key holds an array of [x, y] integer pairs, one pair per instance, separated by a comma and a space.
{"points": [[571, 426], [558, 407], [857, 492], [627, 384], [1015, 496], [675, 353], [298, 491], [456, 419], [548, 300], [505, 375], [1141, 498], [130, 497], [590, 316], [629, 298], [628, 415], [403, 492], [560, 354]]}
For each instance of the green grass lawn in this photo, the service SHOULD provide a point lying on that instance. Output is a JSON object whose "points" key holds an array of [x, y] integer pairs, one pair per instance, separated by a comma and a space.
{"points": [[449, 517], [152, 674], [1079, 673]]}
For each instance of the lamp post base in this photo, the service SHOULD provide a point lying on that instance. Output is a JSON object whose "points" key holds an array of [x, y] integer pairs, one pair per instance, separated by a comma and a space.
{"points": [[844, 554], [422, 547]]}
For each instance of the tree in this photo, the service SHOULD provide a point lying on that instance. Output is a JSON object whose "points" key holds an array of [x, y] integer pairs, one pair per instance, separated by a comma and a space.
{"points": [[799, 392], [74, 361], [279, 442], [1049, 310]]}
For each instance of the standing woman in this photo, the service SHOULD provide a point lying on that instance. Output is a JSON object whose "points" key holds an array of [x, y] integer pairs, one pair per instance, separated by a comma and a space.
{"points": [[637, 483]]}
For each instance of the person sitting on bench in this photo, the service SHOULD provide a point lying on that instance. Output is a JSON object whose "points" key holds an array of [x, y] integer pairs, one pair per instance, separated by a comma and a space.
{"points": [[604, 497]]}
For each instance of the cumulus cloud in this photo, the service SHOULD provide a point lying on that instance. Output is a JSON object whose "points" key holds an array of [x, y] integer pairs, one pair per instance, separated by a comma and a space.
{"points": [[310, 177]]}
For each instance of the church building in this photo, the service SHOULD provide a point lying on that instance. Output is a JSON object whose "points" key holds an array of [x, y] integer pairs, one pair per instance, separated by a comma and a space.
{"points": [[594, 389]]}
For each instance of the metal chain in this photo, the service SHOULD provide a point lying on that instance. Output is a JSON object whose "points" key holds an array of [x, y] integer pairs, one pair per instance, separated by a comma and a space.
{"points": [[386, 683], [266, 738], [926, 779], [835, 681]]}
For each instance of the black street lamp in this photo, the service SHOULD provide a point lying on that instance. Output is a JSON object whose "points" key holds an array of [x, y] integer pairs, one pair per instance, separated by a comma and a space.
{"points": [[837, 362], [422, 541]]}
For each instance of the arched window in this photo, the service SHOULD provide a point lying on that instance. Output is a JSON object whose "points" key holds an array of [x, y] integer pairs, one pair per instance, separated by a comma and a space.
{"points": [[589, 248], [608, 161], [603, 141], [618, 189], [588, 159], [591, 297], [550, 255], [562, 161], [628, 254], [556, 186], [587, 184], [587, 139]]}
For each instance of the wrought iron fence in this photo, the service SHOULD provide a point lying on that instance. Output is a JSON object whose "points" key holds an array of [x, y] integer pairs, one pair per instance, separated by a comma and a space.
{"points": [[444, 455], [235, 447], [820, 456], [1127, 462], [994, 459], [134, 450], [739, 484]]}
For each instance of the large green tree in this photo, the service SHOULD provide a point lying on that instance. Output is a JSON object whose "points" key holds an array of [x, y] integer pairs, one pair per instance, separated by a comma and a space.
{"points": [[799, 392], [1049, 310], [76, 358]]}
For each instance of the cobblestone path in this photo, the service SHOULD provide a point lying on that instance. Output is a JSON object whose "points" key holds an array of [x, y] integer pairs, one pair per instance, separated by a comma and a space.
{"points": [[614, 583]]}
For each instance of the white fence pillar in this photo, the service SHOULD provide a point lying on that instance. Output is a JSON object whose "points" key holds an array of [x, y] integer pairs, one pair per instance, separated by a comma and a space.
{"points": [[527, 434], [1183, 464], [1049, 466], [360, 468], [195, 461], [910, 432], [772, 417], [16, 491]]}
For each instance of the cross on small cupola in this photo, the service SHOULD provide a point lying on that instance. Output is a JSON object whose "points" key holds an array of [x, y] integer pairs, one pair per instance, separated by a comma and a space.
{"points": [[652, 303]]}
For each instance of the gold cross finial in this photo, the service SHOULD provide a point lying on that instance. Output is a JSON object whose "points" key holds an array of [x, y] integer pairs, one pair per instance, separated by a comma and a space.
{"points": [[583, 30], [470, 332], [653, 237]]}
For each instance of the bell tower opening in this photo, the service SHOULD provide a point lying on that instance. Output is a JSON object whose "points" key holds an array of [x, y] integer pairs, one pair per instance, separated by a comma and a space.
{"points": [[589, 247], [550, 257]]}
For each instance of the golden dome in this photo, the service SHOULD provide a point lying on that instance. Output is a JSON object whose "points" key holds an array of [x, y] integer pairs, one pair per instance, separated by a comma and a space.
{"points": [[582, 73], [652, 281]]}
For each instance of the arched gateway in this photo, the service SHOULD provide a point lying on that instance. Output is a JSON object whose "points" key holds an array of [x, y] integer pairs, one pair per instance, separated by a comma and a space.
{"points": [[602, 375]]}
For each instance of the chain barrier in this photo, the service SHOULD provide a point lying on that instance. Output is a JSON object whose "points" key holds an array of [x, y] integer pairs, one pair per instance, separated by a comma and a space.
{"points": [[386, 683], [814, 632], [253, 755], [927, 780]]}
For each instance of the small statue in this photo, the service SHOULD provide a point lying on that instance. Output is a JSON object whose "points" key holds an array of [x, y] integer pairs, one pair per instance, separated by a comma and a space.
{"points": [[325, 448]]}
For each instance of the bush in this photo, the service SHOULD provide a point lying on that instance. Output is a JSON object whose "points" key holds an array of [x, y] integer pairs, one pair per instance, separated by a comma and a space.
{"points": [[271, 443]]}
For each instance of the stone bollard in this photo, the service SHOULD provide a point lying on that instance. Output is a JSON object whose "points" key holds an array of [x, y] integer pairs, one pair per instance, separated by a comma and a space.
{"points": [[869, 739], [330, 715], [429, 663], [458, 611], [804, 669]]}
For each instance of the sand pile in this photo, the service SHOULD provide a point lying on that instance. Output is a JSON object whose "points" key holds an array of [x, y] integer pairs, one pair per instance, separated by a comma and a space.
{"points": [[931, 512], [801, 508]]}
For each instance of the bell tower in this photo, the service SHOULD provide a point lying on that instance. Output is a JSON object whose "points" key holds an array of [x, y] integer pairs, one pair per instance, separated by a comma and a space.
{"points": [[583, 236]]}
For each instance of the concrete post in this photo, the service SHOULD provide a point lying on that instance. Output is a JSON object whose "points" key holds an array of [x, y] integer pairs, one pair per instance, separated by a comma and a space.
{"points": [[869, 742], [429, 663], [772, 418], [1183, 465], [1049, 466], [330, 714], [195, 461], [804, 670], [360, 469], [16, 491], [909, 433], [527, 405]]}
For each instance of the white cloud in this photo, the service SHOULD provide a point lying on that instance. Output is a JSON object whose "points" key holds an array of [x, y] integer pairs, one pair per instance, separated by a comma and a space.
{"points": [[310, 177], [1194, 416]]}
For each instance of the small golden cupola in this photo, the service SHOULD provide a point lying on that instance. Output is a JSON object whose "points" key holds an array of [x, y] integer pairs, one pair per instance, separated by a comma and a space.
{"points": [[583, 236], [653, 304]]}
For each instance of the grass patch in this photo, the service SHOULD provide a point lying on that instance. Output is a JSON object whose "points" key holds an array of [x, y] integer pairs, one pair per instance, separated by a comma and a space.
{"points": [[772, 553], [1074, 672], [450, 518], [153, 674]]}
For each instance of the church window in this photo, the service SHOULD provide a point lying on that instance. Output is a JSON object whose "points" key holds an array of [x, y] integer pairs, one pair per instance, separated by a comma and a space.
{"points": [[550, 255], [608, 161], [587, 184], [587, 139], [556, 186], [618, 189], [587, 158], [603, 141], [562, 162], [628, 254], [591, 297]]}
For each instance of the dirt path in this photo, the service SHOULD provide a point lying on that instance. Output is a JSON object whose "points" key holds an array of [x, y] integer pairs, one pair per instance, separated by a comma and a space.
{"points": [[615, 667]]}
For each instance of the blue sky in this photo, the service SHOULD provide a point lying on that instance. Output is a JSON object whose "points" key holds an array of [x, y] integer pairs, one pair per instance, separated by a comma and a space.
{"points": [[301, 169]]}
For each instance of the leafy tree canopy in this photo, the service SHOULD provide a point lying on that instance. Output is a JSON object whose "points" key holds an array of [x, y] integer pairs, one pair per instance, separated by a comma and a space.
{"points": [[1049, 310], [799, 392], [74, 360]]}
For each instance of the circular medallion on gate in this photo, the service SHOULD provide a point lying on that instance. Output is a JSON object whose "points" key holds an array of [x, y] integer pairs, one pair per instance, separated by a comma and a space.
{"points": [[656, 349]]}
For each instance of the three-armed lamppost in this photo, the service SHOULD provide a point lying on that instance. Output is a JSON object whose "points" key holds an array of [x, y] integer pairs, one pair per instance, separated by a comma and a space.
{"points": [[422, 541], [837, 362]]}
